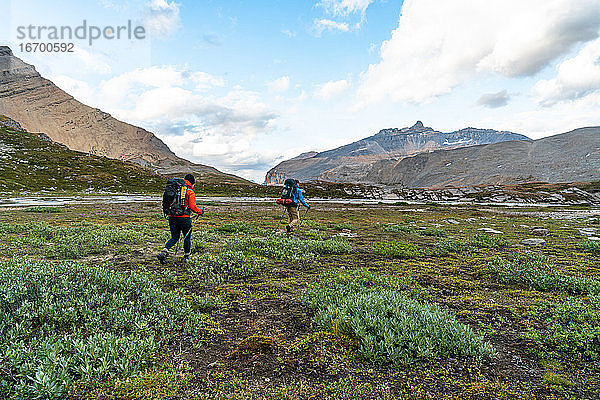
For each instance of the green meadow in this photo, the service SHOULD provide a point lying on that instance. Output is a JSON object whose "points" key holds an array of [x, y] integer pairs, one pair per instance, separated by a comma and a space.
{"points": [[362, 302]]}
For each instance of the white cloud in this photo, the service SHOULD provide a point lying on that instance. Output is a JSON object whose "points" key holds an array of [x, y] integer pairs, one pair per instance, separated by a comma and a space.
{"points": [[345, 7], [560, 118], [114, 5], [232, 114], [162, 102], [288, 33], [349, 15], [279, 85], [229, 147], [331, 89], [576, 77], [321, 25], [119, 87], [540, 32], [93, 62], [438, 45], [236, 155], [204, 80], [494, 100], [209, 129], [162, 18]]}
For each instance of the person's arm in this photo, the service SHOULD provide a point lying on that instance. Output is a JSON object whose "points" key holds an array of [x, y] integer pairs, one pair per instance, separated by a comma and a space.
{"points": [[192, 202], [301, 198]]}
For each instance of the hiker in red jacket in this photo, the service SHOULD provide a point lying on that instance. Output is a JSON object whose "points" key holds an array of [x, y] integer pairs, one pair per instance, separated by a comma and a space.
{"points": [[182, 223]]}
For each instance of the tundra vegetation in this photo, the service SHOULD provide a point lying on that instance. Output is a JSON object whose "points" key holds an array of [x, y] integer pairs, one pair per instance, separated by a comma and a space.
{"points": [[363, 302]]}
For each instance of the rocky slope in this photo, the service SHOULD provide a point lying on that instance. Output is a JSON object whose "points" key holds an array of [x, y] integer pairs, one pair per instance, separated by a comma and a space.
{"points": [[582, 193], [354, 162], [40, 106], [569, 157], [33, 162]]}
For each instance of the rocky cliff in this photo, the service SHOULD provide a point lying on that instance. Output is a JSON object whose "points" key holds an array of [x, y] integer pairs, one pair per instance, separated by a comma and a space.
{"points": [[40, 106], [355, 162]]}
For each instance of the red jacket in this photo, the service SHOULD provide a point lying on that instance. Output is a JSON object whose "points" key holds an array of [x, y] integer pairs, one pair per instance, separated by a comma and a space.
{"points": [[190, 201]]}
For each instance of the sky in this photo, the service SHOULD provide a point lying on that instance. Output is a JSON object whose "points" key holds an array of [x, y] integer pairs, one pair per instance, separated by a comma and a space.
{"points": [[243, 85]]}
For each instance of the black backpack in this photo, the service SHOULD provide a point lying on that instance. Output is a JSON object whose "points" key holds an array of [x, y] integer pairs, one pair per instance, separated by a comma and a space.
{"points": [[287, 193], [173, 202]]}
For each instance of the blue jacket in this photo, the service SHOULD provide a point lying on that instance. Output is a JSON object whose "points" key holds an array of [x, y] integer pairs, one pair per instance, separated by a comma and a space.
{"points": [[298, 197]]}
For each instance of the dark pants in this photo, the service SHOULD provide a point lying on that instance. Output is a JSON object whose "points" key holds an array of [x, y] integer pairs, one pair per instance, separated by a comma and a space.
{"points": [[178, 227]]}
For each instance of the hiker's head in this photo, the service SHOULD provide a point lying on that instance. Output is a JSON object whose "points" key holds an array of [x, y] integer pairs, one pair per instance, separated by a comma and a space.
{"points": [[190, 178], [297, 182]]}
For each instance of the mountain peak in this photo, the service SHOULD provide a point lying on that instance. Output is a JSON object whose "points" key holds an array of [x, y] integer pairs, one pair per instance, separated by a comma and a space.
{"points": [[40, 106], [5, 51], [357, 162], [12, 67]]}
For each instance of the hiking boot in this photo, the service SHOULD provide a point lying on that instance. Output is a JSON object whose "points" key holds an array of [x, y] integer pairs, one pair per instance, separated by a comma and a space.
{"points": [[288, 229], [162, 257], [185, 257]]}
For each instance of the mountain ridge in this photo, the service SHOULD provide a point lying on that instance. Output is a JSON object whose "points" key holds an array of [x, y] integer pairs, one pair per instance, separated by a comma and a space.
{"points": [[41, 106], [352, 162], [572, 156]]}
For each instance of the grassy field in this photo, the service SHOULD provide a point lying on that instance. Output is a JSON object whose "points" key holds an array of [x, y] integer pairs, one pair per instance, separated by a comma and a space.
{"points": [[363, 302]]}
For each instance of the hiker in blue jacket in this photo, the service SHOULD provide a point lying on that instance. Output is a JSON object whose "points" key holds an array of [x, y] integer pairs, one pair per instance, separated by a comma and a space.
{"points": [[292, 209]]}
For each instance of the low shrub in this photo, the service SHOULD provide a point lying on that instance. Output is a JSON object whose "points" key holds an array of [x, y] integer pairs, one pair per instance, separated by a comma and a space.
{"points": [[289, 249], [206, 301], [435, 232], [7, 228], [536, 272], [75, 241], [227, 265], [237, 227], [313, 234], [162, 382], [277, 248], [389, 328], [591, 246], [343, 225], [41, 209], [315, 225], [571, 328], [396, 249], [446, 247], [399, 228], [364, 277], [485, 241], [205, 236], [66, 322], [554, 379], [329, 246]]}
